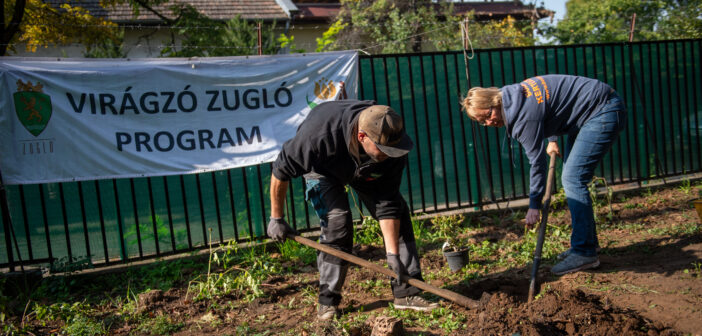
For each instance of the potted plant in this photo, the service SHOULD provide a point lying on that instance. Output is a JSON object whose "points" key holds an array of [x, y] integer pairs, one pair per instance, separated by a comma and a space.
{"points": [[454, 248]]}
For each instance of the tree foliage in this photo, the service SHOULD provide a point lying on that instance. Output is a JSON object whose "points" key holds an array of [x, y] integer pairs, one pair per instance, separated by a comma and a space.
{"points": [[682, 21], [329, 37], [204, 37], [38, 24], [108, 48], [393, 26], [288, 44], [507, 32], [600, 21], [386, 26]]}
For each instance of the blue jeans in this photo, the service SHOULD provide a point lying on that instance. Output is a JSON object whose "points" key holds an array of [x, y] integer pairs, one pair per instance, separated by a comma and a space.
{"points": [[585, 149]]}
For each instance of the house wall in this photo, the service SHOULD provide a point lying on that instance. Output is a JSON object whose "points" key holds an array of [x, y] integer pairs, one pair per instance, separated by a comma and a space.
{"points": [[306, 35], [138, 43], [148, 43]]}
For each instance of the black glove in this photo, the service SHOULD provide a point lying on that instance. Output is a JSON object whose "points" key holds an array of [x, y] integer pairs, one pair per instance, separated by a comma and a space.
{"points": [[278, 229], [397, 267]]}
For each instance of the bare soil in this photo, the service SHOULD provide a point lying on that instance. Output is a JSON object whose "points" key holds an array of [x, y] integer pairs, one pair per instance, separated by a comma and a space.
{"points": [[649, 283]]}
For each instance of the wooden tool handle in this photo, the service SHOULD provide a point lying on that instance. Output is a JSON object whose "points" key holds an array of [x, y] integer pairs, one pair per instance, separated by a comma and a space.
{"points": [[444, 293]]}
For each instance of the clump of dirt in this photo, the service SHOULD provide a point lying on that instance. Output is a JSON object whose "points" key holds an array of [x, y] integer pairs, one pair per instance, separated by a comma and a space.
{"points": [[504, 310]]}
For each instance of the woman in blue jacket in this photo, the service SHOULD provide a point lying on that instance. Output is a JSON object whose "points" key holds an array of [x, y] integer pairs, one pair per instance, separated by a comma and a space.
{"points": [[590, 112]]}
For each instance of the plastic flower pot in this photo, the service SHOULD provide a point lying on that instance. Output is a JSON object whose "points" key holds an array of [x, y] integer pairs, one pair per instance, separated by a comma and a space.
{"points": [[698, 207], [456, 259]]}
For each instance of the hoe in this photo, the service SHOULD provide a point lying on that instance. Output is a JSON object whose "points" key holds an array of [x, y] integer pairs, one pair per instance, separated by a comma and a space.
{"points": [[444, 293]]}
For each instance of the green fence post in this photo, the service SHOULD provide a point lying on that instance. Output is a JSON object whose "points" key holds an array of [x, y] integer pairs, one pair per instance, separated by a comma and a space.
{"points": [[7, 222]]}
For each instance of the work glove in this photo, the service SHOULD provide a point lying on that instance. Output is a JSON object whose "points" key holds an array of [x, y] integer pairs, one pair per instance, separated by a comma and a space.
{"points": [[278, 229], [398, 267]]}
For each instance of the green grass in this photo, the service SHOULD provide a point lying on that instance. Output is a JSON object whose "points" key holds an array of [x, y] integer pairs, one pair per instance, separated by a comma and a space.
{"points": [[696, 270], [442, 318], [83, 325], [673, 230], [506, 253], [348, 323], [309, 295], [592, 284], [291, 250], [368, 233], [242, 275], [77, 317], [422, 233], [685, 186], [634, 206], [374, 287]]}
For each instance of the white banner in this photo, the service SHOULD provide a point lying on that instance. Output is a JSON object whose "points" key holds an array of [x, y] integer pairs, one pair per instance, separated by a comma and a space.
{"points": [[80, 119]]}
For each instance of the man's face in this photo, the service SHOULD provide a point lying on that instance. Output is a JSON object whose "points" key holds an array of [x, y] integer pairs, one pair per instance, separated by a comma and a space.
{"points": [[370, 148]]}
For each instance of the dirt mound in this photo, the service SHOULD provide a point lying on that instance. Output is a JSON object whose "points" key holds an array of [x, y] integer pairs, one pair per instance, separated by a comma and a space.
{"points": [[556, 311]]}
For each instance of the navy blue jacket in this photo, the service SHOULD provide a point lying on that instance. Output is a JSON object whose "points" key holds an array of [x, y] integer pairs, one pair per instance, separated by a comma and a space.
{"points": [[545, 107]]}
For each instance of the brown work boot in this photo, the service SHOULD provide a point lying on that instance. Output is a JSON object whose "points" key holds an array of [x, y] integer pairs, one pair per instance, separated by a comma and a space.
{"points": [[325, 313], [414, 302]]}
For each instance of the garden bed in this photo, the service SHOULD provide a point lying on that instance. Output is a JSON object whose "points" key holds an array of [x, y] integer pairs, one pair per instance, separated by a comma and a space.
{"points": [[649, 283]]}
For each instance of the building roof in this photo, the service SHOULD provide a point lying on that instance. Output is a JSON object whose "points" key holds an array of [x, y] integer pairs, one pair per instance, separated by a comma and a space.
{"points": [[317, 12], [215, 9], [324, 11], [302, 11], [501, 9]]}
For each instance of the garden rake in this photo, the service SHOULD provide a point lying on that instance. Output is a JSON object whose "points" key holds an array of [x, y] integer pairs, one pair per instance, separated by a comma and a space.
{"points": [[546, 203]]}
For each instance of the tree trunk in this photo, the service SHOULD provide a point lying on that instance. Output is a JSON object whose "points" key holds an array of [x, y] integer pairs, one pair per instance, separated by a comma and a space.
{"points": [[7, 32]]}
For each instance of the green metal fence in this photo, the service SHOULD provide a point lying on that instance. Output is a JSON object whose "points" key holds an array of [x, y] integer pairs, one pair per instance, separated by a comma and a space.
{"points": [[455, 163]]}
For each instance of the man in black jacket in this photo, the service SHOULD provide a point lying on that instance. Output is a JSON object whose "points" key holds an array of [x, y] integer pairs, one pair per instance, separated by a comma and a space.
{"points": [[363, 145]]}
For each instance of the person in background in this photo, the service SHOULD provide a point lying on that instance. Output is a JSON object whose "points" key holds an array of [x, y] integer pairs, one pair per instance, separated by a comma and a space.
{"points": [[363, 145], [589, 112]]}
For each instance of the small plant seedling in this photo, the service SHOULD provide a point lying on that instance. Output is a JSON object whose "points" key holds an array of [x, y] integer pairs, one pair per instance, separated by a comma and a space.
{"points": [[698, 269], [685, 186], [296, 252], [596, 204], [369, 232], [558, 200], [543, 292], [449, 229]]}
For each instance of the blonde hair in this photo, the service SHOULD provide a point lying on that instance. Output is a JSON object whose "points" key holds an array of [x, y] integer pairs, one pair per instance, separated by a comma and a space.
{"points": [[481, 98]]}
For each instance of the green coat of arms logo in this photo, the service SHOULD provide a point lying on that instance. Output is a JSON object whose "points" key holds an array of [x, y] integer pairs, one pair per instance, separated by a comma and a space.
{"points": [[33, 107]]}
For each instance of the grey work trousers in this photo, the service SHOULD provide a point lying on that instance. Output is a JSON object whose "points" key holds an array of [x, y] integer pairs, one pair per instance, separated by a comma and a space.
{"points": [[331, 204]]}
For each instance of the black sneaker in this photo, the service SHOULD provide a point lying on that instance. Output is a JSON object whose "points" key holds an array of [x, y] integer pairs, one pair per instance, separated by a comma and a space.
{"points": [[561, 256], [325, 313], [573, 263], [414, 302]]}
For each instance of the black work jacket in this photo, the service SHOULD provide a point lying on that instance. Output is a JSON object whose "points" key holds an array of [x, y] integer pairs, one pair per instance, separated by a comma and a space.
{"points": [[321, 145]]}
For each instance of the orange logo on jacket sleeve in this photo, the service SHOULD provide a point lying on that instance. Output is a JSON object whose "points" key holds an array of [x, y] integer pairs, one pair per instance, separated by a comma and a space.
{"points": [[535, 89], [527, 92], [543, 82]]}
